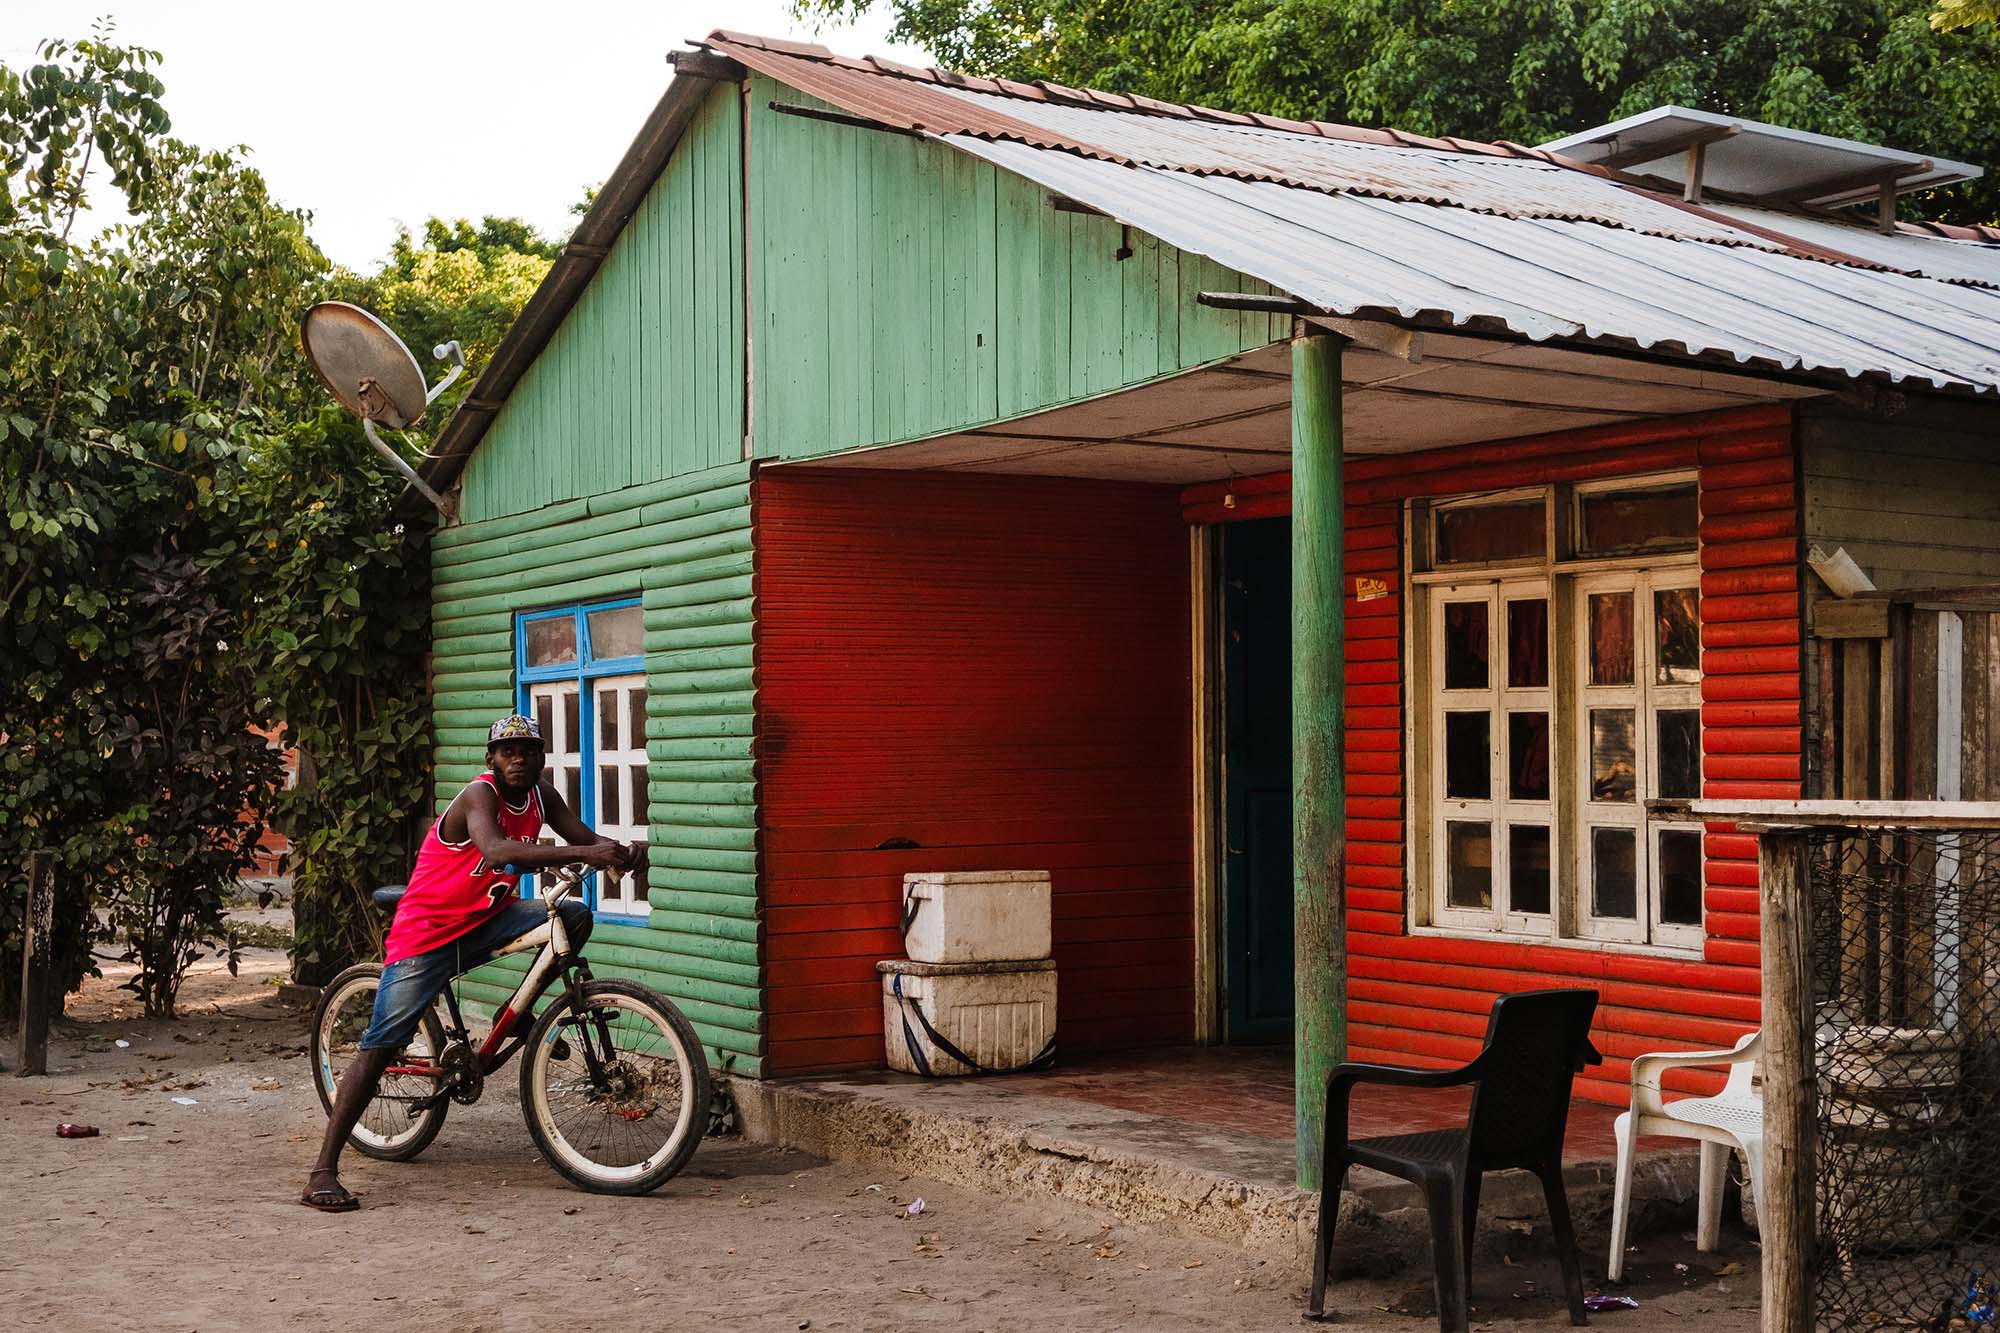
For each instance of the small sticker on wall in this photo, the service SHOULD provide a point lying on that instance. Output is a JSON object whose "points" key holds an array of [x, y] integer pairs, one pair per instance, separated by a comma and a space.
{"points": [[1367, 589]]}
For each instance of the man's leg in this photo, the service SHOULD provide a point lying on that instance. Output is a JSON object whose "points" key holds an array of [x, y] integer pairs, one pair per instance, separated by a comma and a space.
{"points": [[408, 987]]}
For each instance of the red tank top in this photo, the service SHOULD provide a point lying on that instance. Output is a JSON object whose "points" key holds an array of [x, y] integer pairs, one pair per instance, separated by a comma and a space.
{"points": [[452, 889]]}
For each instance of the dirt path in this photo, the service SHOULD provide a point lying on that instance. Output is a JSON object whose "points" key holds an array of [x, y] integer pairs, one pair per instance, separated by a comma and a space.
{"points": [[182, 1217]]}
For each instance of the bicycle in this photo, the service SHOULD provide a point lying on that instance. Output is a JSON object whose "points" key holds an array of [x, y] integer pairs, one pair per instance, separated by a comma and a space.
{"points": [[614, 1088]]}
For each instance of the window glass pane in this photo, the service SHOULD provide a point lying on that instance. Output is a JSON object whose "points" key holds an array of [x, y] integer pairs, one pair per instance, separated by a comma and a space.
{"points": [[1467, 764], [1528, 643], [572, 730], [610, 808], [1677, 636], [564, 781], [545, 719], [1611, 638], [1528, 868], [1612, 766], [635, 717], [1470, 534], [637, 775], [1465, 645], [1680, 877], [1468, 864], [1632, 520], [1528, 756], [551, 641], [607, 719], [1614, 881], [617, 633], [1679, 751]]}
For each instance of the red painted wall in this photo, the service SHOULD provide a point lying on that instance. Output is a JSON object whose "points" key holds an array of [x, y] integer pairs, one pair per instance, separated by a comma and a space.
{"points": [[996, 669], [1424, 999]]}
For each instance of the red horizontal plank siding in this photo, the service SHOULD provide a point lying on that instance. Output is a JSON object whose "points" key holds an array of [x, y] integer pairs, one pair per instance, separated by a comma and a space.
{"points": [[1423, 998], [996, 670]]}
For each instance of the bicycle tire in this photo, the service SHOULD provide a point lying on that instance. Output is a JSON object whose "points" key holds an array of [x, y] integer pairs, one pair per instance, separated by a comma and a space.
{"points": [[571, 1159], [401, 1147]]}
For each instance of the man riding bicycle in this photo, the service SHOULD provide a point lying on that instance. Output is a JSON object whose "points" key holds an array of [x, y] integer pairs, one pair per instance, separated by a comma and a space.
{"points": [[462, 906]]}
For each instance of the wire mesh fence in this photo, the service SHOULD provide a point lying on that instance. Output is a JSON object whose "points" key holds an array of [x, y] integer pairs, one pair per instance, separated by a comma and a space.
{"points": [[1905, 980]]}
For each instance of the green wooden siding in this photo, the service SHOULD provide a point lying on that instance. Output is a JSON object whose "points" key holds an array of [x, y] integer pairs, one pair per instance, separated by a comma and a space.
{"points": [[644, 379], [683, 546], [902, 288]]}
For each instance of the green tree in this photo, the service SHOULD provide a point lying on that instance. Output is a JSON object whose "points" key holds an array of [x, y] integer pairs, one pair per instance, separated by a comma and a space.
{"points": [[1527, 70]]}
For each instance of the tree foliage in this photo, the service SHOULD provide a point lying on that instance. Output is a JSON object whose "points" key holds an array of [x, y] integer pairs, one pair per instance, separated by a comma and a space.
{"points": [[1526, 70]]}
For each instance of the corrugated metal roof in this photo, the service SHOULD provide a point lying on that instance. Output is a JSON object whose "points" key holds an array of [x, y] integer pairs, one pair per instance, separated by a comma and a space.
{"points": [[1544, 278], [1931, 256], [1367, 222]]}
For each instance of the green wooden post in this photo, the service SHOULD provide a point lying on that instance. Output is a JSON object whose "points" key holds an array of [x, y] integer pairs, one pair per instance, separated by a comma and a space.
{"points": [[1319, 822]]}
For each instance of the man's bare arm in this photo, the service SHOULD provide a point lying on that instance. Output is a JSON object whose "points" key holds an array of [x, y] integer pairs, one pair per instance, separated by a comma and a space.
{"points": [[573, 830], [482, 824]]}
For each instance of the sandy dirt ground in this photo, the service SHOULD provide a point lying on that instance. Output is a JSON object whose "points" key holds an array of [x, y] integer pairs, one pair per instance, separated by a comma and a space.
{"points": [[184, 1217]]}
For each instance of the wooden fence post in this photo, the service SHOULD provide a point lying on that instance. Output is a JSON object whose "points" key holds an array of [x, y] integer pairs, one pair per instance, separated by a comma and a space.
{"points": [[37, 951], [1791, 1088]]}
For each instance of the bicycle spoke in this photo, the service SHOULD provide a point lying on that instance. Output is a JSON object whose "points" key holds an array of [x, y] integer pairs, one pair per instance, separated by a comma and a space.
{"points": [[637, 1107]]}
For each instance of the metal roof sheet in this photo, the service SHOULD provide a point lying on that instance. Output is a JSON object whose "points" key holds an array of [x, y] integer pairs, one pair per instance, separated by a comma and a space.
{"points": [[1545, 278], [1930, 256]]}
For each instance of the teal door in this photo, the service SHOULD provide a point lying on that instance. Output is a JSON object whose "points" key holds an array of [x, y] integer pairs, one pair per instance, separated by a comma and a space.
{"points": [[1257, 779]]}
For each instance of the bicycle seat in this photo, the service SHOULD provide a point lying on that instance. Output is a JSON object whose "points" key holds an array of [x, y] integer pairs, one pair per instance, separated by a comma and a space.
{"points": [[389, 895]]}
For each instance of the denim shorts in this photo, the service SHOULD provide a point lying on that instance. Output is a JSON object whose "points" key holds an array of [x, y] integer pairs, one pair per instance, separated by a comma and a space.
{"points": [[410, 984]]}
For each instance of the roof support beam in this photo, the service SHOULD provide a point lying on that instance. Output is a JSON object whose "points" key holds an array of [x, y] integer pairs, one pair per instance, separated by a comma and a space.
{"points": [[1659, 148], [1859, 182]]}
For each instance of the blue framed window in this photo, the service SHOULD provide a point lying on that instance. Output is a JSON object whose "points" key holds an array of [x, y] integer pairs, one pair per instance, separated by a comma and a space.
{"points": [[581, 676]]}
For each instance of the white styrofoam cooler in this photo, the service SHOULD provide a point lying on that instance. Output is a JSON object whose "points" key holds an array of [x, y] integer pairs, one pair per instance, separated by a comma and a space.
{"points": [[1002, 1015], [976, 916]]}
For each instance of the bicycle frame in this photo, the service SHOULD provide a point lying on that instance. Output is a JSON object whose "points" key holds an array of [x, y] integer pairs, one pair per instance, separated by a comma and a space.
{"points": [[555, 957]]}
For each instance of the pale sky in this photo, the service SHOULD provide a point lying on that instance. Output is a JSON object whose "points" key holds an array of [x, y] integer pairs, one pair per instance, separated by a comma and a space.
{"points": [[370, 114]]}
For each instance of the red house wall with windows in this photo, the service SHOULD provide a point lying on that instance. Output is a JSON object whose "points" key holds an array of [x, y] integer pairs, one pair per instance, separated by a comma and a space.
{"points": [[1424, 998], [960, 672]]}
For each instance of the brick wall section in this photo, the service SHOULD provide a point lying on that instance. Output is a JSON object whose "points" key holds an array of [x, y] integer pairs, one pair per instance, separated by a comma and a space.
{"points": [[960, 672], [1424, 998]]}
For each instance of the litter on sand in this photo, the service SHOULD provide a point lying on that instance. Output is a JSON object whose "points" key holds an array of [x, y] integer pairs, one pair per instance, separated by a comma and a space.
{"points": [[65, 1130], [1598, 1304], [122, 1044], [916, 1206], [185, 1101]]}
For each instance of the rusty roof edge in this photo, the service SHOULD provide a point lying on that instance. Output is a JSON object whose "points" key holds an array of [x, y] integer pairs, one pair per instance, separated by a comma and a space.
{"points": [[624, 189]]}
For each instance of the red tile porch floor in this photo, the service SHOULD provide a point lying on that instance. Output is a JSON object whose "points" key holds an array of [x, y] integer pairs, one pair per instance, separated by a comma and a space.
{"points": [[1249, 1089]]}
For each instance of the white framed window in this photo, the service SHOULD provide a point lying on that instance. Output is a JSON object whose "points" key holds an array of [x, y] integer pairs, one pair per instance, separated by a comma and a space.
{"points": [[582, 674], [1555, 651]]}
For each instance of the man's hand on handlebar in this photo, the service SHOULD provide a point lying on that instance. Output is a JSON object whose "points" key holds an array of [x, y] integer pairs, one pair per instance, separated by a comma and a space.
{"points": [[614, 856]]}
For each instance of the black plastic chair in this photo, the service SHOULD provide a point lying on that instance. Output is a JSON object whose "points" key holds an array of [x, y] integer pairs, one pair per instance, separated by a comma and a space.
{"points": [[1535, 1044]]}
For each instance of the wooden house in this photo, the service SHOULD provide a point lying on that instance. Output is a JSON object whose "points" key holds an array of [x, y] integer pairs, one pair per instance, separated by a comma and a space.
{"points": [[1314, 545]]}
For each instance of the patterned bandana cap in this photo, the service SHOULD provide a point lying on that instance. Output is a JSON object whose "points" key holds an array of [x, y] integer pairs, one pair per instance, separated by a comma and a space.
{"points": [[513, 727]]}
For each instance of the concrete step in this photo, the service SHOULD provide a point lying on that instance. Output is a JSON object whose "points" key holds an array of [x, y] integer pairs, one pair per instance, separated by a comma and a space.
{"points": [[998, 1135]]}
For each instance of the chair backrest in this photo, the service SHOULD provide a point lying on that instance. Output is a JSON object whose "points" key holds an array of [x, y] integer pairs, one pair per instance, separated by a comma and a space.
{"points": [[1743, 1074], [1535, 1043]]}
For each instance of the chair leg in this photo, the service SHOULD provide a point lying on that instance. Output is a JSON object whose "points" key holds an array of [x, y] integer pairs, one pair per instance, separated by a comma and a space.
{"points": [[1445, 1200], [1621, 1195], [1333, 1177], [1474, 1176], [1708, 1214], [1565, 1237]]}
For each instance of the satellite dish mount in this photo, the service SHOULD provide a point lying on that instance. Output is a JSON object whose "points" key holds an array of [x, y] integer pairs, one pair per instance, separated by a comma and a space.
{"points": [[367, 368]]}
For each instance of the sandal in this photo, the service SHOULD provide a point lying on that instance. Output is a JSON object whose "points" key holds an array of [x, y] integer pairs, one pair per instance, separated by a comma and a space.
{"points": [[335, 1200]]}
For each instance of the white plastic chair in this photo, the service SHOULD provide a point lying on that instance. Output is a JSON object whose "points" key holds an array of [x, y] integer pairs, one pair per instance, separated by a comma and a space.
{"points": [[1732, 1119]]}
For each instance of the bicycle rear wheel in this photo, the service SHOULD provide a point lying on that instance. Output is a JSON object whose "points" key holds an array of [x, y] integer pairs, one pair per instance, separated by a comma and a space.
{"points": [[389, 1128], [633, 1126]]}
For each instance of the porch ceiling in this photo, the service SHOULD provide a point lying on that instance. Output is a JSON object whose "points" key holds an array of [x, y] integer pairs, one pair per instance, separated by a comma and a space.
{"points": [[1234, 419]]}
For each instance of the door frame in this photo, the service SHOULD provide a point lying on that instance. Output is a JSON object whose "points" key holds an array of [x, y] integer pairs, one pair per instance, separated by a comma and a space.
{"points": [[1205, 699]]}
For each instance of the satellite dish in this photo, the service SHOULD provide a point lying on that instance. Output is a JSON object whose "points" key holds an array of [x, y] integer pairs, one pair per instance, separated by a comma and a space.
{"points": [[370, 371]]}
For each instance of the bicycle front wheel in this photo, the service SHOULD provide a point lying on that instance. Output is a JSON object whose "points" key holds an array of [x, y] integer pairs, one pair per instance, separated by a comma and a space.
{"points": [[631, 1125]]}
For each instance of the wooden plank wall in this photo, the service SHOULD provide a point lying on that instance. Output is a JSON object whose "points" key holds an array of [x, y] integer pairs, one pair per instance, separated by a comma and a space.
{"points": [[1424, 998], [644, 379], [684, 545], [903, 288], [1911, 490], [963, 672]]}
